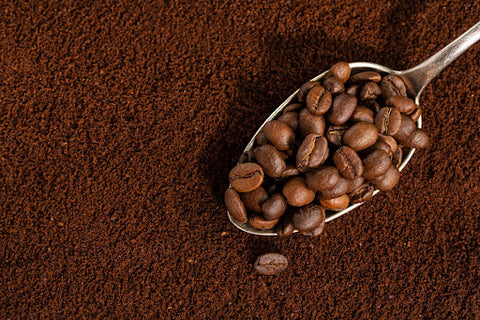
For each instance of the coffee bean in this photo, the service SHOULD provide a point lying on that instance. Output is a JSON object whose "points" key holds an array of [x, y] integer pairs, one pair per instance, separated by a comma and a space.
{"points": [[376, 164], [290, 171], [348, 162], [365, 76], [261, 139], [270, 264], [340, 70], [308, 218], [304, 89], [313, 151], [355, 184], [393, 85], [292, 107], [274, 207], [290, 119], [415, 115], [246, 177], [362, 113], [318, 100], [322, 178], [418, 140], [362, 194], [372, 105], [315, 232], [336, 204], [335, 134], [297, 193], [286, 228], [279, 134], [310, 123], [260, 223], [235, 206], [388, 180], [333, 84], [246, 156], [271, 160], [342, 108], [370, 91], [407, 128], [388, 121], [392, 143], [339, 189], [353, 89], [361, 135], [253, 200], [401, 103], [397, 157]]}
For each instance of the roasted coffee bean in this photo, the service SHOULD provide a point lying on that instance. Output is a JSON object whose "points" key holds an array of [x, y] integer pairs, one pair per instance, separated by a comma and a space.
{"points": [[271, 160], [340, 70], [279, 134], [293, 107], [310, 123], [313, 151], [308, 218], [290, 171], [305, 88], [322, 178], [286, 228], [361, 135], [274, 207], [315, 232], [353, 90], [319, 100], [407, 128], [335, 134], [336, 204], [397, 157], [362, 113], [342, 108], [290, 119], [388, 180], [270, 264], [260, 223], [401, 103], [370, 91], [348, 162], [355, 184], [339, 189], [392, 85], [246, 177], [417, 140], [415, 115], [253, 200], [376, 164], [235, 206], [362, 194], [392, 143], [333, 84], [246, 156], [388, 121], [297, 193], [365, 76], [379, 145], [372, 105], [261, 139]]}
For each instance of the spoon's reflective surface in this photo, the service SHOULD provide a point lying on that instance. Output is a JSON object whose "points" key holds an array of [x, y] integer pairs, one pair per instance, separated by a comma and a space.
{"points": [[416, 78]]}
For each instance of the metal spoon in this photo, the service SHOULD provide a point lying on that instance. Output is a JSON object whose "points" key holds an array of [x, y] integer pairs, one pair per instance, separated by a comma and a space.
{"points": [[416, 78]]}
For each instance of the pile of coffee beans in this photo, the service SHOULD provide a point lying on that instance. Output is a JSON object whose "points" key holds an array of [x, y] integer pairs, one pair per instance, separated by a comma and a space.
{"points": [[338, 141]]}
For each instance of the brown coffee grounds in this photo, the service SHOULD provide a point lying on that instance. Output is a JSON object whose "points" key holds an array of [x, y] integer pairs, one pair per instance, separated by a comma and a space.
{"points": [[119, 123]]}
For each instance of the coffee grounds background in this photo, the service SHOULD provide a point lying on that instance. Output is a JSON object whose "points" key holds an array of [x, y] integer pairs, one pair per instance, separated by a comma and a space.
{"points": [[119, 123]]}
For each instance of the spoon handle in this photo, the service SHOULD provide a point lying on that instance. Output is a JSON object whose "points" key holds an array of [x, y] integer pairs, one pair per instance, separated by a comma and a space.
{"points": [[421, 75]]}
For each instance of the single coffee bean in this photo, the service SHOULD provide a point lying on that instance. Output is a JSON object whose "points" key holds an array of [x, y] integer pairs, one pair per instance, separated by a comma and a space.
{"points": [[339, 189], [362, 113], [388, 121], [246, 177], [261, 139], [370, 91], [372, 105], [333, 84], [235, 206], [290, 119], [270, 264], [379, 145], [297, 193], [313, 151], [322, 178], [388, 180], [308, 218], [392, 143], [253, 200], [353, 89], [315, 232], [246, 156], [279, 134], [397, 157], [271, 160], [401, 103], [362, 194], [407, 128], [342, 108], [365, 76], [361, 135], [290, 171], [348, 162], [418, 140], [392, 85], [293, 107], [335, 134], [274, 207], [319, 100], [286, 228], [310, 123], [355, 184], [260, 223], [376, 164], [415, 115], [340, 70], [304, 89], [336, 204]]}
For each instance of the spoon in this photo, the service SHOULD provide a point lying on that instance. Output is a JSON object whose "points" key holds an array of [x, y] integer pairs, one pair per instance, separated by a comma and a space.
{"points": [[416, 79]]}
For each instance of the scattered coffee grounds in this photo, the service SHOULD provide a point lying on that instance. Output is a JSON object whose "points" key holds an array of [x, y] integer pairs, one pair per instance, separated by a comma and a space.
{"points": [[297, 160]]}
